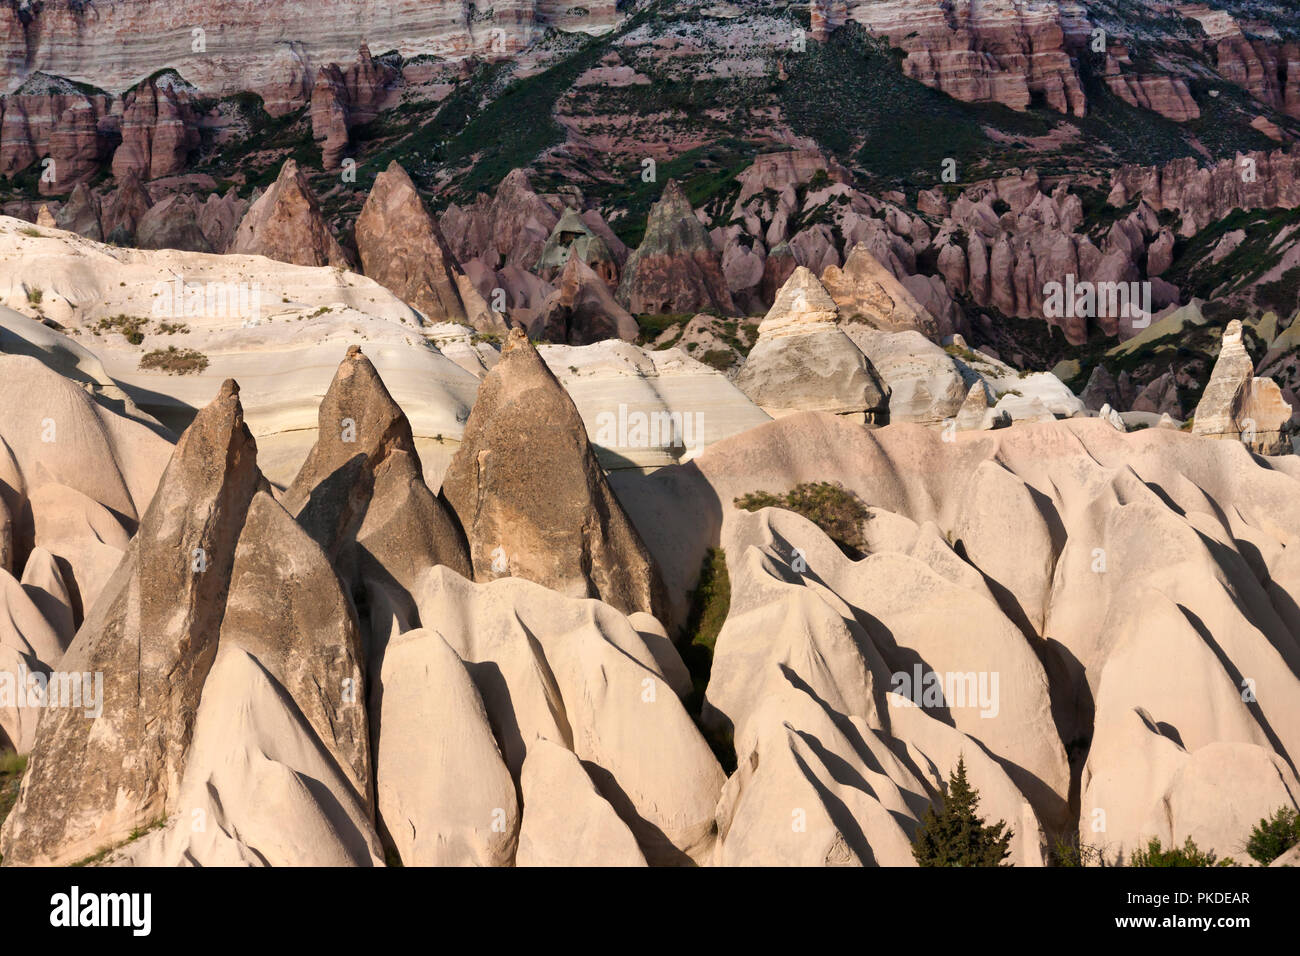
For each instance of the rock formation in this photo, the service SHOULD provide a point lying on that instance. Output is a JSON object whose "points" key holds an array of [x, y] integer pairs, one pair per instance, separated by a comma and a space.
{"points": [[532, 499], [1239, 406], [865, 291], [803, 361], [159, 131], [286, 224], [217, 564], [342, 99], [362, 497], [403, 250], [582, 310], [675, 269]]}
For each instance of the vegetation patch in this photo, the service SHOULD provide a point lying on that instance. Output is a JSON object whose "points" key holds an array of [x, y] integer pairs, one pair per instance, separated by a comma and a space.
{"points": [[957, 835], [130, 327], [12, 767], [174, 361], [1189, 854], [834, 509]]}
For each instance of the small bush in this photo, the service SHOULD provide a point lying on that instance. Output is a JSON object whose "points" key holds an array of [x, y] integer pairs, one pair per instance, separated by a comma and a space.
{"points": [[1274, 835], [130, 327], [831, 507], [957, 835], [720, 359], [174, 361], [1189, 855], [34, 296]]}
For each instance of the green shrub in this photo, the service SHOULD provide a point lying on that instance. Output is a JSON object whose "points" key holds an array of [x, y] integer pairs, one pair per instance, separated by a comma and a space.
{"points": [[130, 327], [957, 835], [34, 296], [830, 506], [1274, 835], [1189, 855]]}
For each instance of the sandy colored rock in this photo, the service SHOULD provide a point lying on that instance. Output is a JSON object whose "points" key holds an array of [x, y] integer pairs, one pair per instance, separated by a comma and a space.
{"points": [[1240, 406], [445, 796], [533, 500], [802, 361], [865, 291]]}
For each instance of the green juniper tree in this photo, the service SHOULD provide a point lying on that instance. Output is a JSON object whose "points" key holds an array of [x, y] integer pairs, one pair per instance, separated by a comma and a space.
{"points": [[957, 836], [1274, 836]]}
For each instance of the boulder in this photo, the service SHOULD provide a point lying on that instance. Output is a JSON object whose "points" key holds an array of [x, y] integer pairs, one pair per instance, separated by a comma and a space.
{"points": [[803, 361]]}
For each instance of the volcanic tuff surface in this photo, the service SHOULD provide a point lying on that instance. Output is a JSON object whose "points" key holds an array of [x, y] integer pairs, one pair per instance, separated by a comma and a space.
{"points": [[536, 434]]}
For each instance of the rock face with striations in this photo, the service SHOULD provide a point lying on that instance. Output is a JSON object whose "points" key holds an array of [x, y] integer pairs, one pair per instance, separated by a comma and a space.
{"points": [[1238, 405], [532, 499], [159, 130], [217, 565], [403, 249], [287, 224], [342, 99], [676, 268], [803, 362]]}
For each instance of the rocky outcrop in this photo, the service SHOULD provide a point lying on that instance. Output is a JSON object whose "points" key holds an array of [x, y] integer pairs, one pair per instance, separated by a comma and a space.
{"points": [[286, 224], [115, 49], [865, 291], [153, 635], [989, 52], [583, 677], [803, 361], [81, 214], [532, 499], [1237, 405], [675, 269], [361, 494], [173, 223], [1161, 93], [123, 210], [69, 132], [573, 238], [582, 310], [510, 228], [159, 131], [403, 250], [217, 565], [1204, 194], [342, 99]]}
